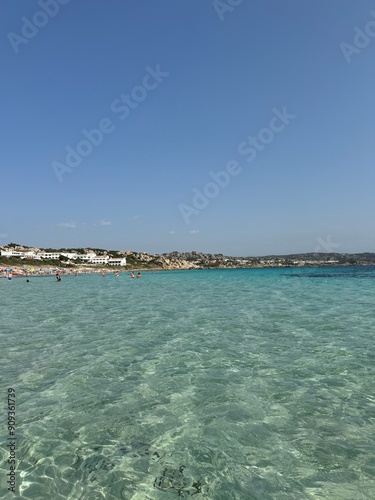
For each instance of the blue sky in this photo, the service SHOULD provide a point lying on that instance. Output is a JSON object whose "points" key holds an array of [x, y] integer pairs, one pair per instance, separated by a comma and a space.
{"points": [[218, 74]]}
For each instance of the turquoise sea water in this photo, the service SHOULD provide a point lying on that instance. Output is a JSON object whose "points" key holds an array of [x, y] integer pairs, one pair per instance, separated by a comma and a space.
{"points": [[216, 384]]}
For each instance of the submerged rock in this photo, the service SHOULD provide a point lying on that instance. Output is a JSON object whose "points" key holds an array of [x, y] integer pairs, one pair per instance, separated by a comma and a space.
{"points": [[174, 480]]}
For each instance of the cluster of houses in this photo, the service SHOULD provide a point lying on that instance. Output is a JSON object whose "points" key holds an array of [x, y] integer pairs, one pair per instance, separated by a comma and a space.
{"points": [[89, 258]]}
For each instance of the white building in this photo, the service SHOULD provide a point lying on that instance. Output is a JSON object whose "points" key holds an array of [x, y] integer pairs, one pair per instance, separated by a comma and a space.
{"points": [[56, 255], [30, 255], [49, 255], [11, 253], [119, 261], [70, 255], [103, 259], [14, 253], [90, 257], [87, 256], [6, 253]]}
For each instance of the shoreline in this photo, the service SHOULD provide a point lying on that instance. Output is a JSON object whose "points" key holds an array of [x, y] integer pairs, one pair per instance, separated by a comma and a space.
{"points": [[47, 272]]}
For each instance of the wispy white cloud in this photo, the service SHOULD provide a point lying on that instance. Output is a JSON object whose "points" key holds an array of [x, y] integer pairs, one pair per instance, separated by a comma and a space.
{"points": [[172, 232], [105, 223], [194, 231], [137, 216], [67, 225]]}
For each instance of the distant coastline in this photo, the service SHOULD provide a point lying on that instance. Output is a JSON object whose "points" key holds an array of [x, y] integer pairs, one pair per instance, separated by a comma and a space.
{"points": [[93, 260]]}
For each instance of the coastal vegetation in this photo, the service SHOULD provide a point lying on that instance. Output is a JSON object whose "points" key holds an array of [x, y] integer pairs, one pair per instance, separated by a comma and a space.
{"points": [[181, 260]]}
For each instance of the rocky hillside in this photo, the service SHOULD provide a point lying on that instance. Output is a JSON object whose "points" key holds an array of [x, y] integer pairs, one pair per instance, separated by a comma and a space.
{"points": [[200, 260]]}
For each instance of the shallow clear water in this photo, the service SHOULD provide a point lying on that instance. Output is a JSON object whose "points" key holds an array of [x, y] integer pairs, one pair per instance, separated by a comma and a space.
{"points": [[225, 384]]}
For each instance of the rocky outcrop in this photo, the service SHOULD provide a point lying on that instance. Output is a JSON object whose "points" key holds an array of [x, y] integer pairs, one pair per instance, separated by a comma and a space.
{"points": [[165, 263]]}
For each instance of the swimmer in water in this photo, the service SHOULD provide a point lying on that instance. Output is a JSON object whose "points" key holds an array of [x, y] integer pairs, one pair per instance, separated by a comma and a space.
{"points": [[132, 275], [139, 275]]}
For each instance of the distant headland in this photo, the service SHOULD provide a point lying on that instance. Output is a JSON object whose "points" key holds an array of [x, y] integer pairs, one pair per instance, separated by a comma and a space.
{"points": [[14, 254]]}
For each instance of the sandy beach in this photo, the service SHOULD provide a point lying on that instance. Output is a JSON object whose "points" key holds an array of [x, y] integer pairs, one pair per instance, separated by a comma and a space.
{"points": [[28, 271]]}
